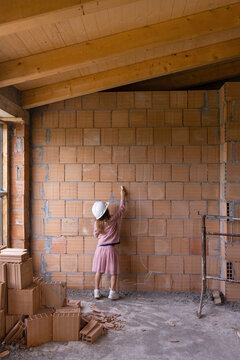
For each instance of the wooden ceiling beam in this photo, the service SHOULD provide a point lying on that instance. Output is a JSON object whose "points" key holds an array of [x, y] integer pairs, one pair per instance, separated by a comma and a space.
{"points": [[161, 36], [20, 15], [225, 51]]}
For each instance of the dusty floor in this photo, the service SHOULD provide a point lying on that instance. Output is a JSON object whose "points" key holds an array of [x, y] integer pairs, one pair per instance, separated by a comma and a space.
{"points": [[147, 334]]}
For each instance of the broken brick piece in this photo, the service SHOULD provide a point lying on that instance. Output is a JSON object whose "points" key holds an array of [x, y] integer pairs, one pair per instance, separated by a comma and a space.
{"points": [[68, 310], [39, 329], [11, 321], [91, 332], [74, 303], [66, 327], [15, 334], [53, 294]]}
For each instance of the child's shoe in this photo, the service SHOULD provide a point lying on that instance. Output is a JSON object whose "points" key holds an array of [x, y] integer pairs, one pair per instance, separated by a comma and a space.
{"points": [[97, 294], [113, 295]]}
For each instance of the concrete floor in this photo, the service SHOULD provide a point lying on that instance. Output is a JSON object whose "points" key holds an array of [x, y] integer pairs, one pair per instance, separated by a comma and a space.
{"points": [[147, 334]]}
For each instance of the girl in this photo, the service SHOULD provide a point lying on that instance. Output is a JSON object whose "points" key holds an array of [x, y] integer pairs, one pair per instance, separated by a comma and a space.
{"points": [[106, 259]]}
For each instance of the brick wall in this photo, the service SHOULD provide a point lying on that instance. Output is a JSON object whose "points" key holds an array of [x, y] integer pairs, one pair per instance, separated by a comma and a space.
{"points": [[164, 148]]}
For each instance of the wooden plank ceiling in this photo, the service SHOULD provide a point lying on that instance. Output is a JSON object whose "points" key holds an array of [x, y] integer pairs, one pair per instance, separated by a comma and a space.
{"points": [[54, 50]]}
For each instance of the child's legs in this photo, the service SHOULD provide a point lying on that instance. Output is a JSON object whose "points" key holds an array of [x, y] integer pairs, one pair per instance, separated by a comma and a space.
{"points": [[97, 280], [114, 282]]}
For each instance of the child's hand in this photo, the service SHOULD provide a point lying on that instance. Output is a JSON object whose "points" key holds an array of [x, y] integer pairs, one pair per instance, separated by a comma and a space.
{"points": [[123, 192]]}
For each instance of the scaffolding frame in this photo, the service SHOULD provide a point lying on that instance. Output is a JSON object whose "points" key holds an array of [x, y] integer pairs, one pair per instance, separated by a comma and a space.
{"points": [[205, 233]]}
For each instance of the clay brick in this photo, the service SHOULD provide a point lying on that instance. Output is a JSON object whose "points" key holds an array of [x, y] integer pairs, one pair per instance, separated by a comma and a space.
{"points": [[210, 154], [145, 283], [85, 154], [210, 191], [213, 135], [178, 99], [192, 191], [161, 209], [39, 329], [174, 264], [90, 172], [138, 154], [88, 281], [163, 246], [138, 118], [125, 263], [155, 118], [120, 118], [126, 172], [156, 191], [91, 137], [197, 206], [38, 173], [25, 301], [125, 100], [180, 246], [74, 136], [157, 227], [198, 173], [39, 137], [85, 263], [3, 294], [128, 247], [156, 264], [145, 246], [180, 173], [126, 136], [192, 228], [50, 155], [52, 262], [143, 209], [89, 245], [109, 136], [53, 294], [198, 135], [90, 101], [73, 172], [143, 99], [163, 282], [68, 191], [195, 98], [51, 191], [36, 119], [103, 191], [180, 283], [192, 265], [160, 99], [213, 98], [55, 172], [144, 172], [195, 283], [213, 266], [75, 281], [70, 226], [58, 105], [232, 191], [144, 136], [139, 264], [74, 209], [67, 119], [19, 275], [52, 227], [162, 136], [86, 226], [180, 209], [120, 154], [237, 151], [210, 117], [102, 119], [191, 117], [156, 154], [174, 227], [174, 191], [138, 191], [173, 117], [74, 245], [196, 246], [67, 154], [56, 208], [108, 172], [37, 227], [17, 187], [162, 172], [180, 136], [69, 263], [139, 227], [213, 247], [192, 154], [214, 172], [103, 154], [58, 245], [87, 209], [174, 154], [86, 191], [84, 119], [57, 137]]}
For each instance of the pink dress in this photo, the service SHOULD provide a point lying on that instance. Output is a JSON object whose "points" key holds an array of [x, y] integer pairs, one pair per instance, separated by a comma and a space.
{"points": [[106, 258]]}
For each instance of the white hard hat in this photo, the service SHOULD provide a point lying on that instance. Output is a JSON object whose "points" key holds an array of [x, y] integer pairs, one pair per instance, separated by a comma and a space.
{"points": [[99, 208]]}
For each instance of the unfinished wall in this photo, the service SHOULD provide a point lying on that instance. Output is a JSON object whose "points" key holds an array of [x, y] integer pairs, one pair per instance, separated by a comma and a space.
{"points": [[164, 147]]}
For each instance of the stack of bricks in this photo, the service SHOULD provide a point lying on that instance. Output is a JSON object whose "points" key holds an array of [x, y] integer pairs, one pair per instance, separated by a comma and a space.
{"points": [[164, 148], [229, 184]]}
